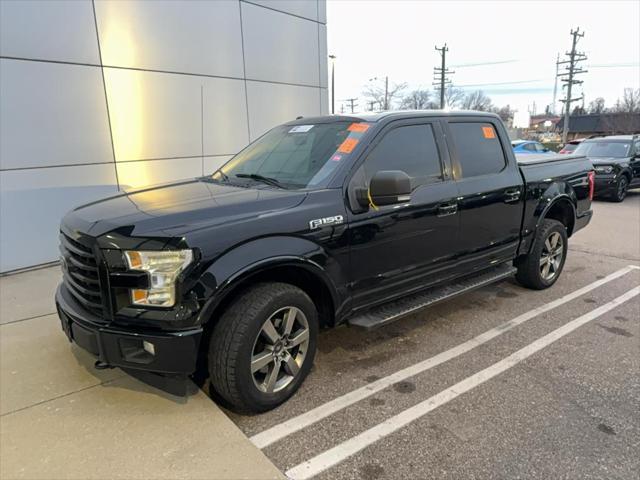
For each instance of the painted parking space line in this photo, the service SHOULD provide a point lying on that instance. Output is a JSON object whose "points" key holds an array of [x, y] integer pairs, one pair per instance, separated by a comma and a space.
{"points": [[282, 430], [344, 450]]}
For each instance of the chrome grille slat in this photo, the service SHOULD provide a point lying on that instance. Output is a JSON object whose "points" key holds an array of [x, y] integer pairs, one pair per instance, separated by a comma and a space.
{"points": [[80, 273]]}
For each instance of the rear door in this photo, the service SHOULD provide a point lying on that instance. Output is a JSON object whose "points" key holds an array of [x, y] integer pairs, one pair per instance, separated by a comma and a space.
{"points": [[398, 248], [490, 191]]}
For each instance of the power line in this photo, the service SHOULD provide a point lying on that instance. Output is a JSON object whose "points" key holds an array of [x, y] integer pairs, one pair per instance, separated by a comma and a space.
{"points": [[442, 72], [568, 78]]}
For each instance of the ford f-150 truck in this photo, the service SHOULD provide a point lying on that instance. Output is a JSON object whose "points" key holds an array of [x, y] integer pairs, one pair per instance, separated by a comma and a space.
{"points": [[321, 221]]}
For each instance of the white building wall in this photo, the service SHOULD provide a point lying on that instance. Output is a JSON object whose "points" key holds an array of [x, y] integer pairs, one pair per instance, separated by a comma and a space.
{"points": [[105, 95]]}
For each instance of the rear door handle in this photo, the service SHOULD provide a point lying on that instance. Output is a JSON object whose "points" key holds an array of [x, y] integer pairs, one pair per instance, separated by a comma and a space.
{"points": [[448, 209], [511, 196]]}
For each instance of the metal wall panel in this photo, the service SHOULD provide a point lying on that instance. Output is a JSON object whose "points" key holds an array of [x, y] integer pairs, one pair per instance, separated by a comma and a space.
{"points": [[279, 47], [153, 172], [179, 36], [303, 8], [324, 102], [322, 11], [52, 114], [160, 115], [49, 29], [225, 116], [32, 202], [323, 56], [272, 104]]}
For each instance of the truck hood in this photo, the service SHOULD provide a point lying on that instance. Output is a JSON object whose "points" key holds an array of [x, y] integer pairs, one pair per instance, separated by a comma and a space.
{"points": [[175, 209]]}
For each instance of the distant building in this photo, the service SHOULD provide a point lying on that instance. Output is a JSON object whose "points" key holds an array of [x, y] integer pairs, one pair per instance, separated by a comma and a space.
{"points": [[601, 124]]}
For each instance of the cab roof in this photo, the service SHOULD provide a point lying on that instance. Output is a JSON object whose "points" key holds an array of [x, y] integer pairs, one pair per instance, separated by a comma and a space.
{"points": [[390, 114]]}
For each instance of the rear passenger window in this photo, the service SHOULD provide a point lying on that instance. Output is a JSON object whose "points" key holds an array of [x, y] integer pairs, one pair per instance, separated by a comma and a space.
{"points": [[478, 148], [412, 149]]}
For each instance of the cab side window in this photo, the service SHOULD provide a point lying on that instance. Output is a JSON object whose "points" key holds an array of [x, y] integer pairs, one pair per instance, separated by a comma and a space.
{"points": [[478, 148], [410, 148]]}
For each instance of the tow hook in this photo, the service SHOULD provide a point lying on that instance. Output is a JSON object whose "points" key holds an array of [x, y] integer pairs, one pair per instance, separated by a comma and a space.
{"points": [[101, 365]]}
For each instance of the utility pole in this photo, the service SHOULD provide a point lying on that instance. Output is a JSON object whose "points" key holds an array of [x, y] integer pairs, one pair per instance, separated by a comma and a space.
{"points": [[352, 103], [442, 72], [569, 80], [333, 83], [555, 85], [386, 92]]}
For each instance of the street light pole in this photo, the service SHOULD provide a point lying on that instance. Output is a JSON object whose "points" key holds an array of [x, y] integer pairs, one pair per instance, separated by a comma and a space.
{"points": [[333, 83]]}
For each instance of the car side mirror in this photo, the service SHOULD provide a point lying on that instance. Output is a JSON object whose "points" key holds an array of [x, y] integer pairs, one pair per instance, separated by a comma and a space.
{"points": [[387, 187]]}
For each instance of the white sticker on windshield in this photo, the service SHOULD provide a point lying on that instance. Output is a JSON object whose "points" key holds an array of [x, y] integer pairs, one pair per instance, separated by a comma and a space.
{"points": [[301, 128]]}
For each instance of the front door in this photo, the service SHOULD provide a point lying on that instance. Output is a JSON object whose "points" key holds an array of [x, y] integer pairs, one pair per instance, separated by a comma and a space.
{"points": [[397, 248]]}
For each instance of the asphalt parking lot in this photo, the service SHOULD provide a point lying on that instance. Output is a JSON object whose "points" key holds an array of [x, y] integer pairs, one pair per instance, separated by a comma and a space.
{"points": [[503, 382]]}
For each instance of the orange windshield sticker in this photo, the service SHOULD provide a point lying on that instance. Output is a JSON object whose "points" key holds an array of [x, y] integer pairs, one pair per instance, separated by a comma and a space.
{"points": [[488, 132], [358, 127], [348, 145]]}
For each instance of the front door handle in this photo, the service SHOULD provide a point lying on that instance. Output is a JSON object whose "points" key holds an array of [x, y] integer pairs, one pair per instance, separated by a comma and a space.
{"points": [[511, 196], [448, 209]]}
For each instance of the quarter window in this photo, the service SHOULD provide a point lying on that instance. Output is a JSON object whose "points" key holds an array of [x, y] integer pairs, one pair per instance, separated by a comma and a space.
{"points": [[410, 148], [478, 148]]}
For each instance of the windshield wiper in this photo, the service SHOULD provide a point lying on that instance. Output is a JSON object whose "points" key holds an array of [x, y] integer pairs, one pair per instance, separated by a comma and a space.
{"points": [[261, 178]]}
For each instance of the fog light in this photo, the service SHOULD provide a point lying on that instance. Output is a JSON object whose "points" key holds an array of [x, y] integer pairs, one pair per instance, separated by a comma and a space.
{"points": [[149, 347]]}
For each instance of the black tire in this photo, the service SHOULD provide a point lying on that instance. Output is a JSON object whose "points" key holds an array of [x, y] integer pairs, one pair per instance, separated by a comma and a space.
{"points": [[622, 186], [234, 339], [530, 269]]}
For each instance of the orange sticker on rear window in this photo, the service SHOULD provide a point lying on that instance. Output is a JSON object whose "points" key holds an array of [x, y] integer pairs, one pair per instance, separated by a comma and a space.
{"points": [[358, 127], [348, 145], [488, 132]]}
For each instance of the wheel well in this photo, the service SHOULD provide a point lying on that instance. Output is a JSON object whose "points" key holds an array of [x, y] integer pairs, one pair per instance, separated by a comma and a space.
{"points": [[302, 278], [562, 211]]}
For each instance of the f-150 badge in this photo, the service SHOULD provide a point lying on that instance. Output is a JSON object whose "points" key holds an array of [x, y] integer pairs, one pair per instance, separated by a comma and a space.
{"points": [[326, 221]]}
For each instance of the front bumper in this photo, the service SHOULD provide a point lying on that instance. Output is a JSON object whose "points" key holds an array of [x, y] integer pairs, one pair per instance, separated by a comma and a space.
{"points": [[173, 353], [605, 184]]}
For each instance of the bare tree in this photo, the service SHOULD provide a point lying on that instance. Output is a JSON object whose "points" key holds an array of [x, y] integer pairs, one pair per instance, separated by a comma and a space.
{"points": [[505, 113], [416, 100], [597, 105], [383, 94], [453, 96], [477, 101], [629, 103]]}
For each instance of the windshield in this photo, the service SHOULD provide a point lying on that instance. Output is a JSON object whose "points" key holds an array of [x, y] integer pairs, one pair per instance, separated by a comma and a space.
{"points": [[570, 147], [603, 149], [294, 157]]}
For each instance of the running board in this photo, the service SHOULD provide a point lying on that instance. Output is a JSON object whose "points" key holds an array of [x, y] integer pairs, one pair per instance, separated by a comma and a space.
{"points": [[391, 311]]}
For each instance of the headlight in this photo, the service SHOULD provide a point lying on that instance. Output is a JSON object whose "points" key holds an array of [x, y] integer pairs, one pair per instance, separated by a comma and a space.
{"points": [[604, 169], [163, 268]]}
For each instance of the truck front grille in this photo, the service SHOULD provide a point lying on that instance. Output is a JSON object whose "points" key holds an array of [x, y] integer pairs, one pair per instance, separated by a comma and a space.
{"points": [[80, 273]]}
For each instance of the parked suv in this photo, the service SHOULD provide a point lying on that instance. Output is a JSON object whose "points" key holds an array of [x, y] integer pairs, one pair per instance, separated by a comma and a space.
{"points": [[616, 160], [321, 221]]}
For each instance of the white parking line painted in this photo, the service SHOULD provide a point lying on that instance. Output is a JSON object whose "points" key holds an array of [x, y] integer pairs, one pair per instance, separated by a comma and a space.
{"points": [[340, 452], [280, 431]]}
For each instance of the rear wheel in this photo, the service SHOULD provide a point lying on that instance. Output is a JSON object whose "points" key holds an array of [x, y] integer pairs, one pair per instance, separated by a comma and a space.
{"points": [[263, 347], [621, 189], [542, 266]]}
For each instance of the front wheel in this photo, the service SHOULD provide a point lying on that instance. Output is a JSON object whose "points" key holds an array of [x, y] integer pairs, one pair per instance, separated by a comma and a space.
{"points": [[542, 266], [621, 189], [263, 347]]}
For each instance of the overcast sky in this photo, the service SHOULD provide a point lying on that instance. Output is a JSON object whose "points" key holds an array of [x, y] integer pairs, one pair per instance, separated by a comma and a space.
{"points": [[518, 39]]}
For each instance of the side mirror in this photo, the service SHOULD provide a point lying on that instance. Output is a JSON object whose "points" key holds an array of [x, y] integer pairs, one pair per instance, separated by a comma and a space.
{"points": [[387, 187]]}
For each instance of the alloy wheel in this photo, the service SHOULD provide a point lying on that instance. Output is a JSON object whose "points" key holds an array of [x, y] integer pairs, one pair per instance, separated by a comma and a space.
{"points": [[280, 349], [551, 257], [622, 188]]}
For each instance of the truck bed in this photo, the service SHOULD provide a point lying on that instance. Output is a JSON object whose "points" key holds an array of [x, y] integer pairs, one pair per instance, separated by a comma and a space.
{"points": [[535, 159]]}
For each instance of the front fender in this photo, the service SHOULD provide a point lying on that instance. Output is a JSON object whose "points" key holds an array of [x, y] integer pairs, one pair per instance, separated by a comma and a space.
{"points": [[230, 269]]}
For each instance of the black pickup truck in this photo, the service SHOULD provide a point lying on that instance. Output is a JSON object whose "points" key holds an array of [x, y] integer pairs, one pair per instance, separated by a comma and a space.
{"points": [[321, 221]]}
